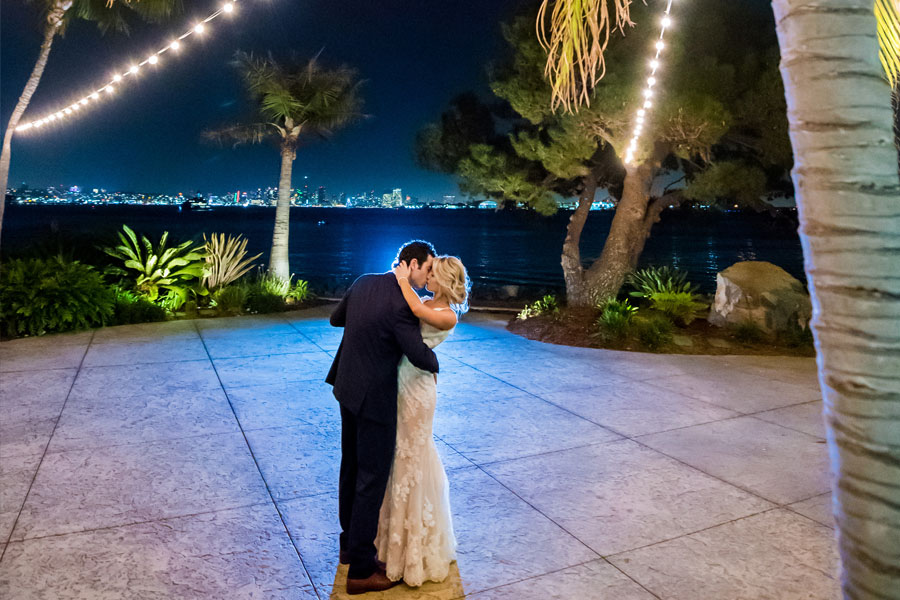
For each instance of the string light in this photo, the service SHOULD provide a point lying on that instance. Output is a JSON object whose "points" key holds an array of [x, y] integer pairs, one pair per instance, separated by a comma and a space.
{"points": [[648, 92], [108, 89]]}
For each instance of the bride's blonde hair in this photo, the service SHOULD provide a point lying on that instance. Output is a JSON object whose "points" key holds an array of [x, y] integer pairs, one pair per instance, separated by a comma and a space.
{"points": [[450, 274]]}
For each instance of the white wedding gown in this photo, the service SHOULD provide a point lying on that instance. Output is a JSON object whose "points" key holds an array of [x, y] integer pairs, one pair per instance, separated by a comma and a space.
{"points": [[415, 530]]}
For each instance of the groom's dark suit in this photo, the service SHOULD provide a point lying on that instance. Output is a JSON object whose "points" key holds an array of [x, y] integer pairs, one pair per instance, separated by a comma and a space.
{"points": [[379, 328]]}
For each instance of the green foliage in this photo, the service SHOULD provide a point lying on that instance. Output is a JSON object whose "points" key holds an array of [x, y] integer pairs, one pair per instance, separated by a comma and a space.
{"points": [[616, 317], [174, 270], [39, 296], [272, 284], [130, 307], [748, 332], [225, 260], [298, 292], [231, 299], [667, 291], [796, 336], [259, 301], [730, 181], [655, 280], [653, 332], [548, 305], [681, 307], [292, 99]]}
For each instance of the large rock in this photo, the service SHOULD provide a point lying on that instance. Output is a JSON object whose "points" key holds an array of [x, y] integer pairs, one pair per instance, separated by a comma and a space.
{"points": [[762, 293]]}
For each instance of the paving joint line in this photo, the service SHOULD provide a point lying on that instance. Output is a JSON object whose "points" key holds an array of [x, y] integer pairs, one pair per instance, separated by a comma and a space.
{"points": [[46, 447], [261, 475], [144, 522]]}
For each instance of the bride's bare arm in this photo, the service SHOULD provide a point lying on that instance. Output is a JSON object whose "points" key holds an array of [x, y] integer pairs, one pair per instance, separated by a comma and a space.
{"points": [[441, 319]]}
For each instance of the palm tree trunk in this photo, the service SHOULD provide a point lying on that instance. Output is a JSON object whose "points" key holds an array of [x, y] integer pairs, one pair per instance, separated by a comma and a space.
{"points": [[573, 272], [278, 261], [54, 20], [848, 196]]}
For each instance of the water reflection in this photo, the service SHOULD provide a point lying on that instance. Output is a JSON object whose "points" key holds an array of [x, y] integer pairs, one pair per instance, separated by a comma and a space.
{"points": [[450, 588], [499, 248]]}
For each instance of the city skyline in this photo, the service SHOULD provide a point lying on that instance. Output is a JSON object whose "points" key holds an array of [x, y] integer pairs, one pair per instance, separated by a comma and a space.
{"points": [[413, 59]]}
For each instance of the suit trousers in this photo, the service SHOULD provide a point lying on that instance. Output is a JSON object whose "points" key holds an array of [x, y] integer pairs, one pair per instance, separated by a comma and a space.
{"points": [[367, 452]]}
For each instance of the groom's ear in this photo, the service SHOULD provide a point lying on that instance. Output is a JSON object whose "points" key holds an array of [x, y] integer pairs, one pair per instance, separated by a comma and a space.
{"points": [[413, 264]]}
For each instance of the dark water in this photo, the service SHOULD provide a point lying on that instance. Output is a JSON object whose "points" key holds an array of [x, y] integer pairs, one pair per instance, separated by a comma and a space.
{"points": [[497, 247]]}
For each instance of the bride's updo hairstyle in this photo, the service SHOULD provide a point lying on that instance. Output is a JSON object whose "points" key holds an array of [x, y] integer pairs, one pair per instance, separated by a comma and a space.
{"points": [[451, 275]]}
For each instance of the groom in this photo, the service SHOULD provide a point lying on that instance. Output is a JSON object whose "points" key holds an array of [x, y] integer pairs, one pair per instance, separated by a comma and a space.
{"points": [[379, 329]]}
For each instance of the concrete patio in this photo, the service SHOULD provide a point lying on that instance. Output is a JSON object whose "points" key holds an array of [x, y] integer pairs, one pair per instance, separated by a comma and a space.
{"points": [[199, 459]]}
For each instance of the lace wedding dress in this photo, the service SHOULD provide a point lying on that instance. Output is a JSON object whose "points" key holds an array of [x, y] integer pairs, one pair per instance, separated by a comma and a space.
{"points": [[415, 531]]}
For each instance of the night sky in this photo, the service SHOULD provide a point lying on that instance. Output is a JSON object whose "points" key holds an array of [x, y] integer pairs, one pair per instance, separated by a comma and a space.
{"points": [[414, 55]]}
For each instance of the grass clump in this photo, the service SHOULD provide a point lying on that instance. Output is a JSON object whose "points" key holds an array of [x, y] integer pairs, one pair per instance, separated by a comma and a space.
{"points": [[616, 318]]}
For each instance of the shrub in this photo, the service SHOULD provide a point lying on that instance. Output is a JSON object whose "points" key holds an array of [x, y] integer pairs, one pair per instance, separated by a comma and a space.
{"points": [[231, 299], [681, 307], [175, 270], [796, 336], [654, 280], [261, 301], [225, 260], [653, 332], [132, 308], [748, 332], [299, 291], [615, 317], [39, 296], [546, 305]]}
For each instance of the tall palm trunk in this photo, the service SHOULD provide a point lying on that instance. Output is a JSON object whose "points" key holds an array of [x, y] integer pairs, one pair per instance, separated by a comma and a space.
{"points": [[278, 261], [54, 21], [848, 196]]}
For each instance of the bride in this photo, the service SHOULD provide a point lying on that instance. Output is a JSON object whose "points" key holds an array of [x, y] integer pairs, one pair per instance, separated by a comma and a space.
{"points": [[415, 532]]}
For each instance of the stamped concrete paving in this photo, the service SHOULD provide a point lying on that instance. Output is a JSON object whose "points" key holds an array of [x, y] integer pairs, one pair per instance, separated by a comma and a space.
{"points": [[199, 459]]}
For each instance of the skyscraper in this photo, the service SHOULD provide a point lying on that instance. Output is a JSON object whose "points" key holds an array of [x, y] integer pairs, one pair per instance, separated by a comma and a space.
{"points": [[397, 198]]}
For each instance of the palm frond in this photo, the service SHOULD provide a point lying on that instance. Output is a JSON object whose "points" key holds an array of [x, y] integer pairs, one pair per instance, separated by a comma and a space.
{"points": [[113, 14], [887, 14], [575, 36], [240, 133]]}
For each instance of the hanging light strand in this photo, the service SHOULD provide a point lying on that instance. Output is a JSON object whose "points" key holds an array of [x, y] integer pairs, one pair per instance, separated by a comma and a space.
{"points": [[120, 77], [649, 91]]}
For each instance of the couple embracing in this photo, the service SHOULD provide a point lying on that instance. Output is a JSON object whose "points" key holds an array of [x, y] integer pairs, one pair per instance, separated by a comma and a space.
{"points": [[394, 497]]}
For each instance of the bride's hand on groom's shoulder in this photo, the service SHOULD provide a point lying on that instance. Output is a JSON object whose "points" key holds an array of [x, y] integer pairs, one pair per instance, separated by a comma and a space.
{"points": [[401, 271]]}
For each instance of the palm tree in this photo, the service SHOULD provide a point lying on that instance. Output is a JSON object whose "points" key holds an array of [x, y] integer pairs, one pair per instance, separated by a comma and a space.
{"points": [[57, 15], [293, 103], [848, 196]]}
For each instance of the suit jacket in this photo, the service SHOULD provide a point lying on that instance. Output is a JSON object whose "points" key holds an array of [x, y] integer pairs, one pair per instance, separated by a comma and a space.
{"points": [[379, 328]]}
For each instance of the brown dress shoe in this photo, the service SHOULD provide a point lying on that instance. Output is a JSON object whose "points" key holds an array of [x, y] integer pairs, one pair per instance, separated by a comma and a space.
{"points": [[376, 582]]}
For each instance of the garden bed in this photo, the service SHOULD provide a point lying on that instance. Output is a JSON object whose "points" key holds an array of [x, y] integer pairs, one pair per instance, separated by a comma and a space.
{"points": [[576, 327]]}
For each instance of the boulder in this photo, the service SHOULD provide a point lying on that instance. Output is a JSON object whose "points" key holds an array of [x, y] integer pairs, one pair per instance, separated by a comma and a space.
{"points": [[762, 293]]}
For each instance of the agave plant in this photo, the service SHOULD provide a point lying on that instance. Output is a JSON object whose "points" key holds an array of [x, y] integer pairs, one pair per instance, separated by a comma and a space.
{"points": [[171, 269], [225, 260]]}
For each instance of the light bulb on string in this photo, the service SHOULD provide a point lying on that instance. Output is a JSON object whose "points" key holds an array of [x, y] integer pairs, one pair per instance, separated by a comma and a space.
{"points": [[648, 92], [227, 8]]}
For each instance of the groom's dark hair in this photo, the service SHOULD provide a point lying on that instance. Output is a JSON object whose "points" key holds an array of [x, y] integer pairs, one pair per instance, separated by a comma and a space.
{"points": [[418, 249]]}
